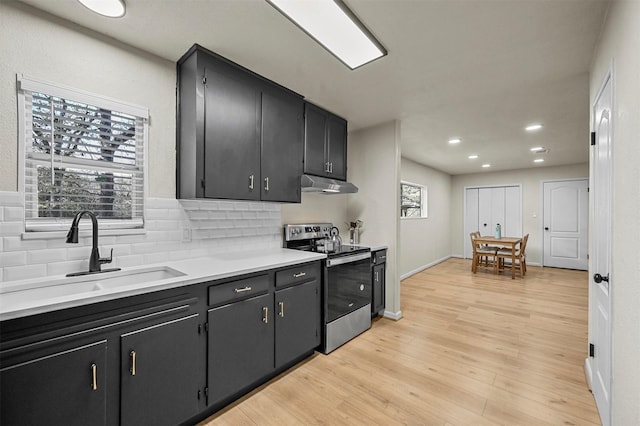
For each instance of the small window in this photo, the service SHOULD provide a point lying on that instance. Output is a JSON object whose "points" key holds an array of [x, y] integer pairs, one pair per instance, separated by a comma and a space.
{"points": [[413, 200], [81, 152]]}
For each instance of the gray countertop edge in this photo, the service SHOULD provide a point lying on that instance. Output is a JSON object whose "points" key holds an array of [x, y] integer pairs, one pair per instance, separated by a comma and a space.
{"points": [[197, 270]]}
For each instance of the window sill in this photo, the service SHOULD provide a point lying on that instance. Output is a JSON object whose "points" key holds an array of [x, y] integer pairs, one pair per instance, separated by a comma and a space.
{"points": [[54, 235], [413, 217]]}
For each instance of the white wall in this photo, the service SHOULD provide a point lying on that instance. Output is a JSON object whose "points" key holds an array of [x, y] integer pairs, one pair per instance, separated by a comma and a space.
{"points": [[47, 48], [531, 181], [317, 207], [619, 45], [374, 166], [425, 241]]}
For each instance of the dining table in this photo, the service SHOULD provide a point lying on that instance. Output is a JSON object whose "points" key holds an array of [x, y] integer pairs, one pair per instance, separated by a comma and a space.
{"points": [[506, 242]]}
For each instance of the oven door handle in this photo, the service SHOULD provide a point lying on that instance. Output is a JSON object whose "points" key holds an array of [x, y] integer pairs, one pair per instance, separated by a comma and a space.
{"points": [[347, 259]]}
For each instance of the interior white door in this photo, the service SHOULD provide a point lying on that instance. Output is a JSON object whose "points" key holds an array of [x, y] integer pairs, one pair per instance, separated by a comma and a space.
{"points": [[470, 219], [488, 206], [566, 224], [491, 209], [600, 308]]}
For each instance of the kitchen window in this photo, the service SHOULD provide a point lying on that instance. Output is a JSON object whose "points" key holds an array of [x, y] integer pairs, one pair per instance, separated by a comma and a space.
{"points": [[413, 200], [81, 152]]}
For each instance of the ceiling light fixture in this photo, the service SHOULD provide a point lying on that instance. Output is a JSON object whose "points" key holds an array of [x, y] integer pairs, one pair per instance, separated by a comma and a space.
{"points": [[533, 127], [109, 8], [539, 160], [537, 149], [473, 157], [335, 27], [486, 165], [454, 141]]}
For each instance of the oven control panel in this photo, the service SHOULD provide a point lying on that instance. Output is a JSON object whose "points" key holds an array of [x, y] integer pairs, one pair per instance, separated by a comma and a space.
{"points": [[306, 231]]}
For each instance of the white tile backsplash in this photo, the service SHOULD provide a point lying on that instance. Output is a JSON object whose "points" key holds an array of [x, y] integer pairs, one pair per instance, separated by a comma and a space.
{"points": [[214, 226]]}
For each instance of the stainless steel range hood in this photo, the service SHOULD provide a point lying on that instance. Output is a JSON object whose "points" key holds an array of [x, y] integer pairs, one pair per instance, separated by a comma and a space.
{"points": [[326, 186]]}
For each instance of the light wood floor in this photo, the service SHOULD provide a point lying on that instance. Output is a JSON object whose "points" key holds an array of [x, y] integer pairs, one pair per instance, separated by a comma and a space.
{"points": [[471, 350]]}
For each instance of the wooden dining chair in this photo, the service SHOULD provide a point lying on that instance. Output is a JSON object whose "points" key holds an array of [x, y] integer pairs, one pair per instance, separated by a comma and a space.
{"points": [[481, 252], [520, 259]]}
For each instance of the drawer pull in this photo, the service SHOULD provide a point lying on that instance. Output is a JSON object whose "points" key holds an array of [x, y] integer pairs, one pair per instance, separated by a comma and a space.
{"points": [[132, 355], [94, 377], [281, 308], [300, 274], [265, 315], [242, 290]]}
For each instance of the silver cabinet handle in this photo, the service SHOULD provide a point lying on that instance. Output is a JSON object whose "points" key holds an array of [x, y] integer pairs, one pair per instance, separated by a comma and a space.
{"points": [[300, 274], [326, 167], [94, 377], [330, 167], [281, 308], [265, 315], [266, 184], [251, 182], [242, 290], [376, 276], [132, 355]]}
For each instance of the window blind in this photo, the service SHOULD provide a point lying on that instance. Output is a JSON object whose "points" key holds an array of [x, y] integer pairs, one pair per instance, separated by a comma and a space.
{"points": [[81, 155]]}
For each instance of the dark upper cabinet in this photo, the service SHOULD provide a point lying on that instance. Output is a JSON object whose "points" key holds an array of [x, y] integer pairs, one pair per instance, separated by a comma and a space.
{"points": [[325, 143], [281, 149], [160, 374], [240, 135], [66, 387]]}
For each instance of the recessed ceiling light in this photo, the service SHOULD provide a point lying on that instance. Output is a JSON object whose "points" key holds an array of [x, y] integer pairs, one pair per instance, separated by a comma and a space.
{"points": [[486, 165], [335, 27], [533, 127], [110, 8], [537, 149], [454, 141], [473, 157], [539, 160]]}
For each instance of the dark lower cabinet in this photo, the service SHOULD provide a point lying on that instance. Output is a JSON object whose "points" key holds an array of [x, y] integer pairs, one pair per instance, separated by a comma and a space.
{"points": [[62, 388], [163, 358], [240, 346], [379, 258], [160, 374], [297, 321]]}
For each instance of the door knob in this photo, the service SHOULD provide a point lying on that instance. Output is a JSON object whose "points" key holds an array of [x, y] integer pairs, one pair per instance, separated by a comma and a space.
{"points": [[546, 228], [599, 278]]}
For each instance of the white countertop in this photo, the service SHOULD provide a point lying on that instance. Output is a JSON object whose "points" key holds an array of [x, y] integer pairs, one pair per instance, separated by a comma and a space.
{"points": [[35, 296]]}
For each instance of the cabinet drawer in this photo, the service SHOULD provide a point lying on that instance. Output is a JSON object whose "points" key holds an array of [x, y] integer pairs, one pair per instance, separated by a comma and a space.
{"points": [[239, 289], [297, 274], [379, 257]]}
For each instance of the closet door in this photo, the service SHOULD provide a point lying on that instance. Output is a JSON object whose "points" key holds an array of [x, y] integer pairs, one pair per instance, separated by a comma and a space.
{"points": [[491, 209], [513, 212], [470, 219]]}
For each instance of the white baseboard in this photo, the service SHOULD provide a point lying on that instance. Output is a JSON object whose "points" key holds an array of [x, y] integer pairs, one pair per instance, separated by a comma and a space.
{"points": [[393, 315], [587, 372], [422, 268]]}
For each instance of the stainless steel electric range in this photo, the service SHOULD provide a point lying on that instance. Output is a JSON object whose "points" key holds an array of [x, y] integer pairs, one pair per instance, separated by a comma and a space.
{"points": [[346, 282]]}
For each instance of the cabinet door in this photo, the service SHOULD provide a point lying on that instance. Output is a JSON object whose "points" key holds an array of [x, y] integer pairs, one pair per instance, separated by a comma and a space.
{"points": [[377, 304], [64, 388], [160, 374], [337, 148], [240, 346], [315, 139], [232, 136], [297, 321], [282, 130]]}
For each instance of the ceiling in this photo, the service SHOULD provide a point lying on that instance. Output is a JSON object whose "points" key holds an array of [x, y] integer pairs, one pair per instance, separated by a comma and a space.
{"points": [[479, 70]]}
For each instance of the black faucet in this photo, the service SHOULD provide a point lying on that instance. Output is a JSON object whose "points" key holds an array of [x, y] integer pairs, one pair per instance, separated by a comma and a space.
{"points": [[95, 261]]}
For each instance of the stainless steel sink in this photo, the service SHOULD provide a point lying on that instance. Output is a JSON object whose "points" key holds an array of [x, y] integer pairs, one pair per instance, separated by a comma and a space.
{"points": [[65, 287]]}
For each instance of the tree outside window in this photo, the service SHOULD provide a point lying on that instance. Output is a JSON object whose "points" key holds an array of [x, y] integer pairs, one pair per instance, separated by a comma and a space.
{"points": [[412, 200]]}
